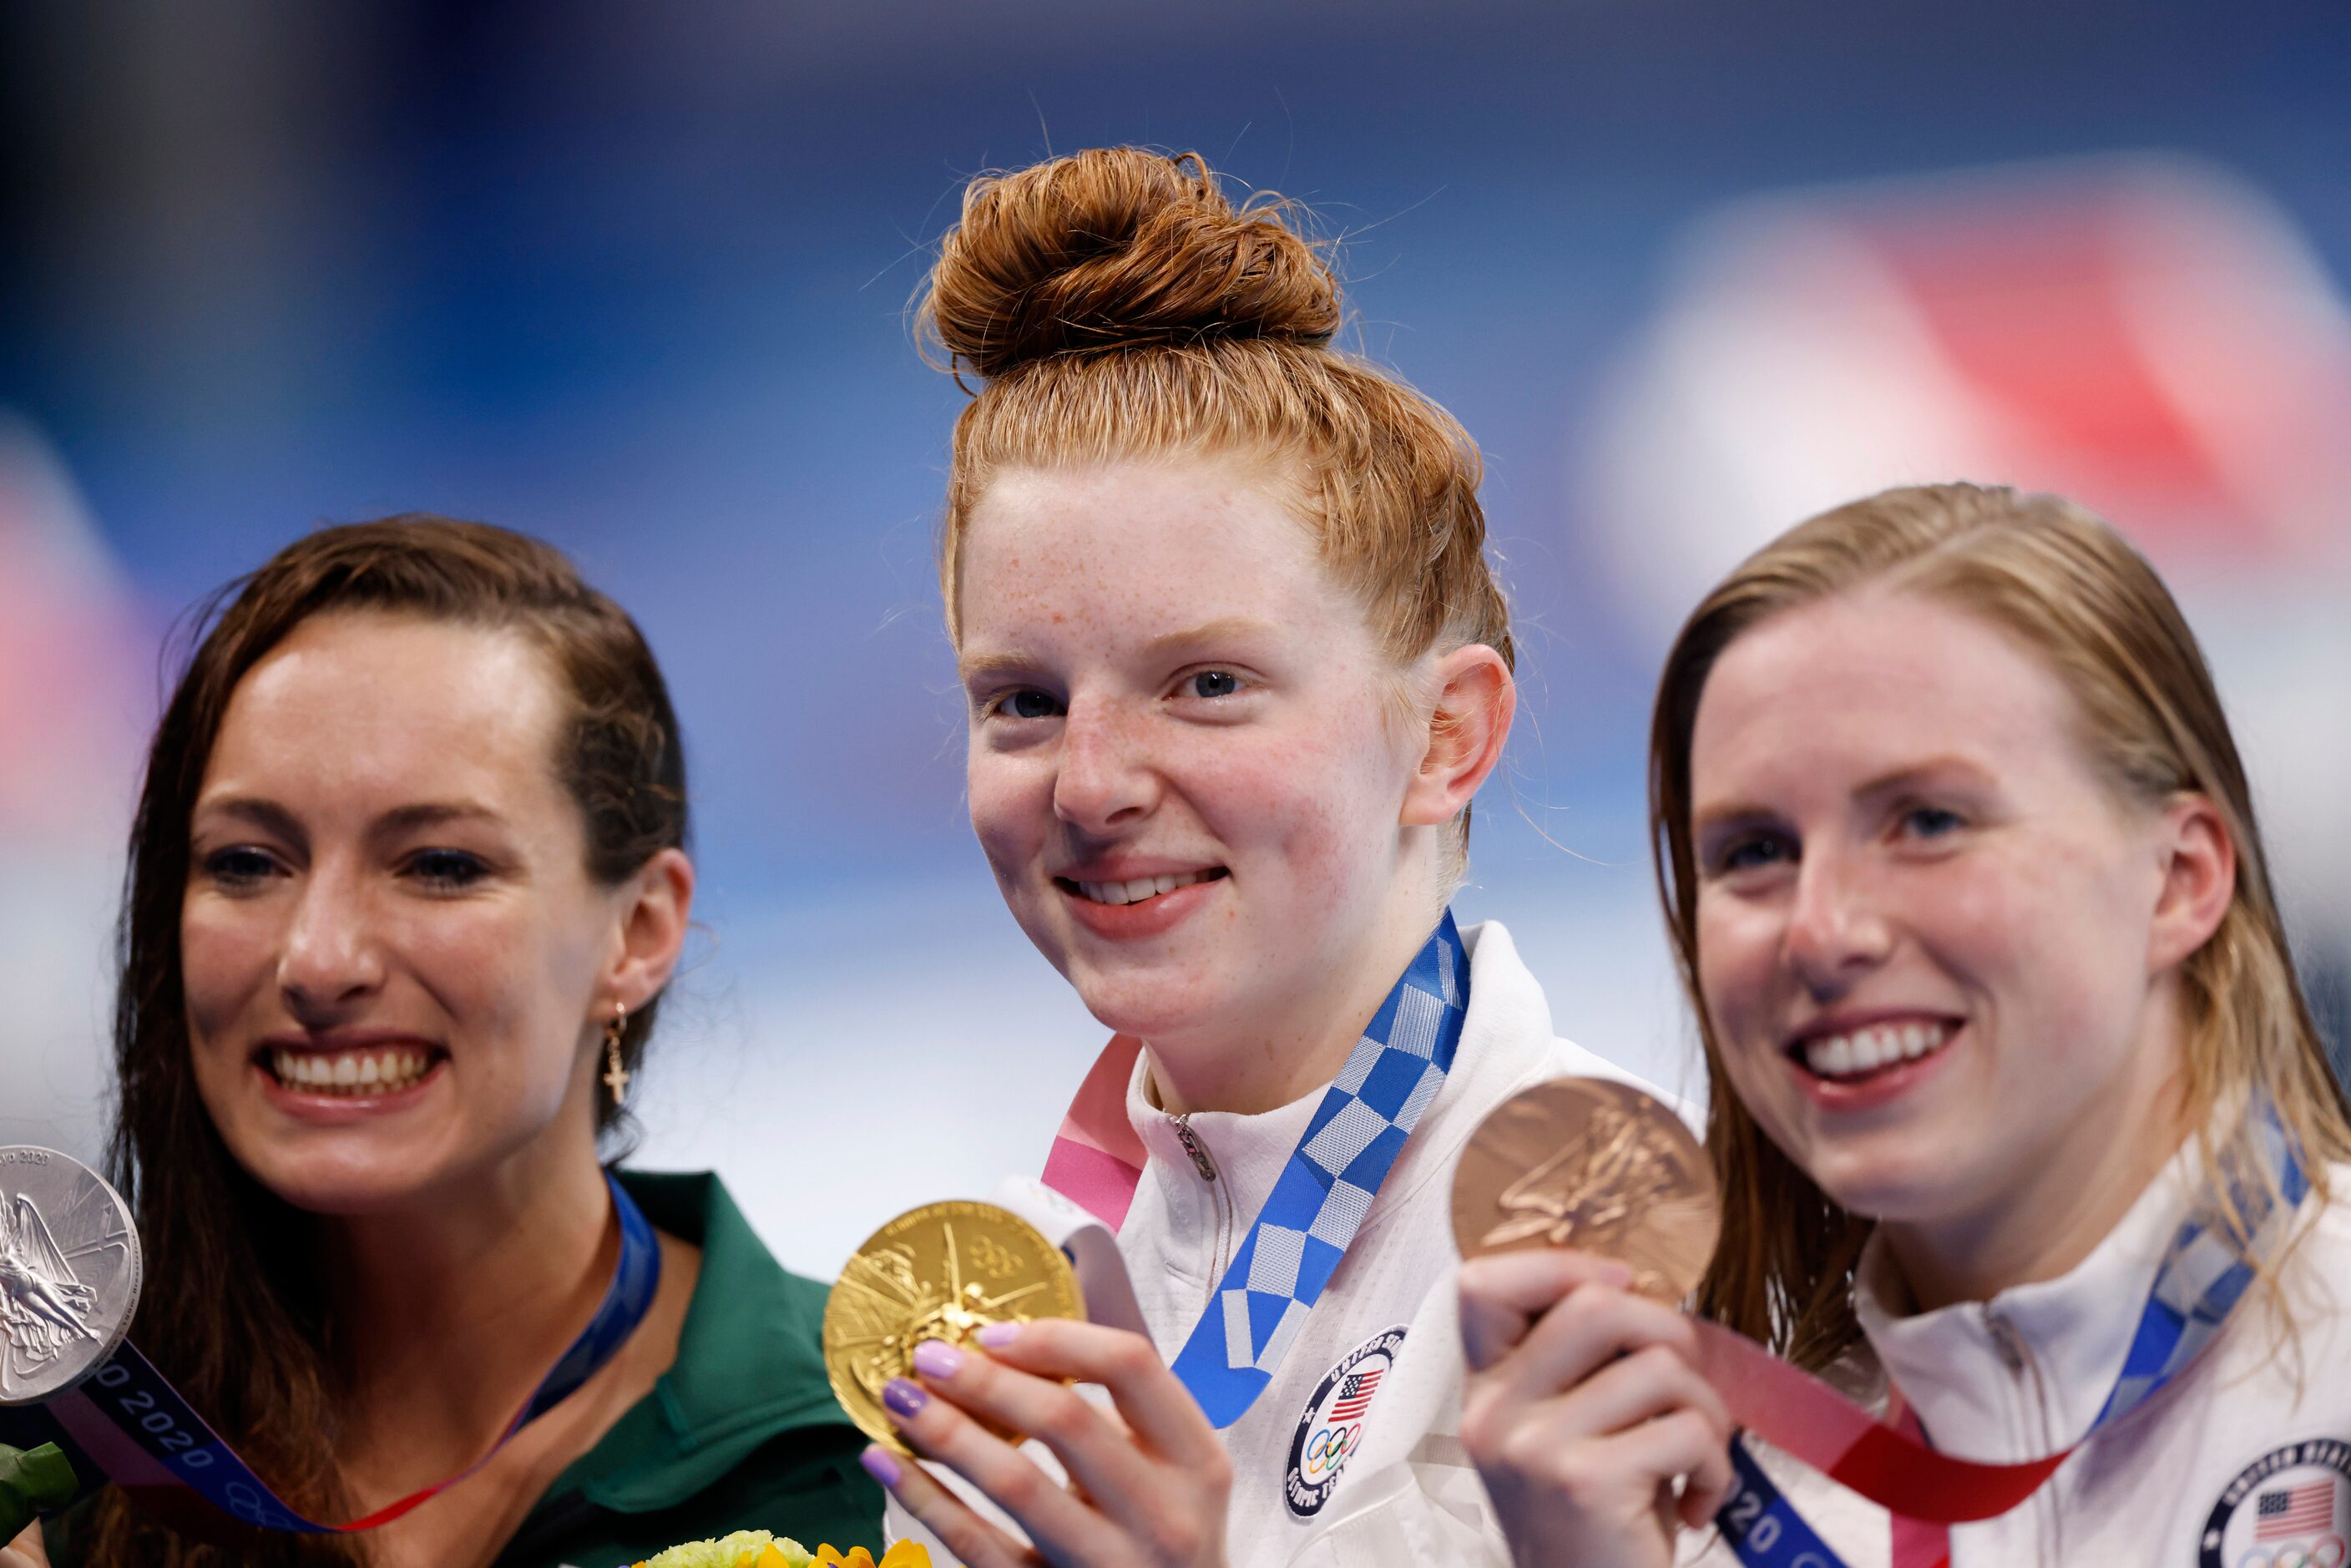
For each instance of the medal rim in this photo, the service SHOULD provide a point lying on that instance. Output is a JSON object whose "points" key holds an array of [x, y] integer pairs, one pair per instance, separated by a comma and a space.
{"points": [[134, 1272], [1475, 1193], [862, 1410]]}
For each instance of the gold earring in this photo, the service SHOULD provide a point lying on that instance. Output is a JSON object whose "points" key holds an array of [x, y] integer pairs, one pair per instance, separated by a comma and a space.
{"points": [[616, 1077]]}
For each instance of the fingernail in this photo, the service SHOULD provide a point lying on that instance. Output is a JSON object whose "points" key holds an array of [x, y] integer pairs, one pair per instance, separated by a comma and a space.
{"points": [[881, 1464], [1616, 1273], [936, 1358], [996, 1336], [903, 1398]]}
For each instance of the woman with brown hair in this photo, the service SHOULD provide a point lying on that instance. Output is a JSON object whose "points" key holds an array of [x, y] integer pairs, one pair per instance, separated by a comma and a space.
{"points": [[1236, 664], [2024, 1133], [407, 880]]}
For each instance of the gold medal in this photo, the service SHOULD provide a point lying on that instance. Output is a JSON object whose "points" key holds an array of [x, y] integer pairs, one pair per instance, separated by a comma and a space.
{"points": [[1595, 1165], [943, 1271]]}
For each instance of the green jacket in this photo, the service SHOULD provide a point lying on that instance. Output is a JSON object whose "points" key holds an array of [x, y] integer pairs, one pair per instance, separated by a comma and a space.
{"points": [[741, 1433]]}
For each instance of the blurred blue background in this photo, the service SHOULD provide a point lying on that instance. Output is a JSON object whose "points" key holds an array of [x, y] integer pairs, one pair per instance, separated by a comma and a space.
{"points": [[636, 279]]}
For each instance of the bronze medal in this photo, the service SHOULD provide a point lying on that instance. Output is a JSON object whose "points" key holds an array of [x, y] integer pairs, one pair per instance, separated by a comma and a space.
{"points": [[1595, 1165], [943, 1271]]}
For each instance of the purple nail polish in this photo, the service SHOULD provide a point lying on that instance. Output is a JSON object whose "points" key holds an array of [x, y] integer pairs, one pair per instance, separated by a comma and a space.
{"points": [[903, 1398], [996, 1336], [936, 1358], [881, 1464]]}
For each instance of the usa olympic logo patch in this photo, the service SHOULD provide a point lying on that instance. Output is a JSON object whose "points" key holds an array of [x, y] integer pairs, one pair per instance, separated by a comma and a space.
{"points": [[1331, 1428], [2288, 1509]]}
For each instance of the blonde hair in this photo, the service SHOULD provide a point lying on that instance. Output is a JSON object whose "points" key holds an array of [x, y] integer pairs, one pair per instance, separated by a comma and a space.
{"points": [[2068, 587], [1117, 305]]}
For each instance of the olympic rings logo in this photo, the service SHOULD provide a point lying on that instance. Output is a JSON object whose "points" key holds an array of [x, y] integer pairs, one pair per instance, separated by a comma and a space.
{"points": [[1328, 1449], [2328, 1552]]}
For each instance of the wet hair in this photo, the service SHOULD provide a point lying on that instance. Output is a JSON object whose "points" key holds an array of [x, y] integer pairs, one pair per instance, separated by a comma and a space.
{"points": [[233, 1311], [1116, 304], [2068, 589]]}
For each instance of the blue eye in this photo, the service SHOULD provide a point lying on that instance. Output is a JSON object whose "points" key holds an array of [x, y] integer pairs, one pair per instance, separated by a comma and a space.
{"points": [[447, 868], [1212, 684], [1931, 821], [1029, 703]]}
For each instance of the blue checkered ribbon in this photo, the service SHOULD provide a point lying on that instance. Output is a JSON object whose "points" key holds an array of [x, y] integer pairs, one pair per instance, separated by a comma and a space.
{"points": [[2204, 1273], [1322, 1194]]}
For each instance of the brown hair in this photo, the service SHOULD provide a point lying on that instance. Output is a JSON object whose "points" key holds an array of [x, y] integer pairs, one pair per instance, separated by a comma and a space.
{"points": [[233, 1312], [2068, 589], [1117, 304]]}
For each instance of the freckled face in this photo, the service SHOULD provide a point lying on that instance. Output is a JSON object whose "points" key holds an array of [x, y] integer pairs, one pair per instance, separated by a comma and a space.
{"points": [[1901, 844], [386, 872], [1185, 767]]}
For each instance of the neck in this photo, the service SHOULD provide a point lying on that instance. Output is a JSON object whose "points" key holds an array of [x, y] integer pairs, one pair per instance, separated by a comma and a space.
{"points": [[450, 1308], [2073, 1199], [1300, 1045]]}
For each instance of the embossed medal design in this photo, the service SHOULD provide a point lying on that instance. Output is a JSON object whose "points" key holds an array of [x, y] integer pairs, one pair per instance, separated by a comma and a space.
{"points": [[1595, 1165], [943, 1271], [69, 1273]]}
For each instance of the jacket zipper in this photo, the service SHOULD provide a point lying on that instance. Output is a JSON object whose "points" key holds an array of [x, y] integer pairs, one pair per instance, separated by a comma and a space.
{"points": [[2027, 1373], [1206, 1164]]}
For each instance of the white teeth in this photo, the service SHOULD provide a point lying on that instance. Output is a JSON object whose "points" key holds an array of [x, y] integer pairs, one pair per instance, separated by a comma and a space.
{"points": [[1139, 888], [1868, 1050], [350, 1073]]}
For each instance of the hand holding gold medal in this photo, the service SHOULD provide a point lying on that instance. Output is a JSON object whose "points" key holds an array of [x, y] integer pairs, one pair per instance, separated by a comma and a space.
{"points": [[943, 1272]]}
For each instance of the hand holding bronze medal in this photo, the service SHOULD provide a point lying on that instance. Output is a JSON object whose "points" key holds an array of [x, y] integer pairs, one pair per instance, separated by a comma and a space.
{"points": [[1597, 1166], [943, 1271]]}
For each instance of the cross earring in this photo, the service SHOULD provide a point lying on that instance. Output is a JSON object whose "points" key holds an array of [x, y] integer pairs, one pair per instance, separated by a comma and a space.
{"points": [[616, 1077]]}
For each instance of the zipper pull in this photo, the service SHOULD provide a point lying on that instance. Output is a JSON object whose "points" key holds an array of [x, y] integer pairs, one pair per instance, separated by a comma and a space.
{"points": [[2005, 1339], [1194, 1148]]}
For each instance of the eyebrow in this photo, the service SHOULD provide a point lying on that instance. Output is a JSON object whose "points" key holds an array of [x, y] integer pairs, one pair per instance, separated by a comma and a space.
{"points": [[1893, 780], [266, 815], [271, 817], [1714, 817], [1224, 629]]}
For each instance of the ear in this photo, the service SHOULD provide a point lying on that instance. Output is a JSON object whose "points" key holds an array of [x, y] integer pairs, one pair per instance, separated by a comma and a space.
{"points": [[1476, 699], [2199, 862], [655, 908]]}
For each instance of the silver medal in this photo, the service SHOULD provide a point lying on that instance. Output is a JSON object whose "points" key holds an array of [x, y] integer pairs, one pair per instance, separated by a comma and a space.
{"points": [[69, 1271]]}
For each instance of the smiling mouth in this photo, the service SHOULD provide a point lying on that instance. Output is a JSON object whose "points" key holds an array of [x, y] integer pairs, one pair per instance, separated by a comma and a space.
{"points": [[1136, 889], [1853, 1056], [352, 1075]]}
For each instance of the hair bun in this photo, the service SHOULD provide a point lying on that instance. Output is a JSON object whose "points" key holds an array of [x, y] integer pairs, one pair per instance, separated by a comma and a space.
{"points": [[1116, 248]]}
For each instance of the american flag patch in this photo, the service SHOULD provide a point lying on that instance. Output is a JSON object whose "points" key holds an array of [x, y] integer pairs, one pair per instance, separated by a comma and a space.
{"points": [[2307, 1509], [1355, 1394]]}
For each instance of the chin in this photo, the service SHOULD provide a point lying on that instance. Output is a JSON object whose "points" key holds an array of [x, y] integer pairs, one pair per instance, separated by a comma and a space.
{"points": [[1134, 1001], [1880, 1182], [342, 1175]]}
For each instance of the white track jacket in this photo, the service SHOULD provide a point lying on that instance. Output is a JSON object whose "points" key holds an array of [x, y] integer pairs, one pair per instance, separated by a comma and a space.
{"points": [[2242, 1461], [1352, 1458]]}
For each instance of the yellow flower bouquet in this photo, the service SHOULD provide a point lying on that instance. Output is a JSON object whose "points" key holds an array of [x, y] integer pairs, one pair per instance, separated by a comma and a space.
{"points": [[758, 1549]]}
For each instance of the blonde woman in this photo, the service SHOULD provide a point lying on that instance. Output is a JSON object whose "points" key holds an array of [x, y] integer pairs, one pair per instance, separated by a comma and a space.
{"points": [[2023, 1126]]}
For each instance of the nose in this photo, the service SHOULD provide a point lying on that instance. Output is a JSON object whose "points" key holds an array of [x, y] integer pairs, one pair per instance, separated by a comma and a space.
{"points": [[1104, 780], [1835, 931], [330, 957]]}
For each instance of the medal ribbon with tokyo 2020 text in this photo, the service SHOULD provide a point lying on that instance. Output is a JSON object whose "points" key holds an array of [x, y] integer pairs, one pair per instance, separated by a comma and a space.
{"points": [[2199, 1283], [127, 1422], [1322, 1194]]}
